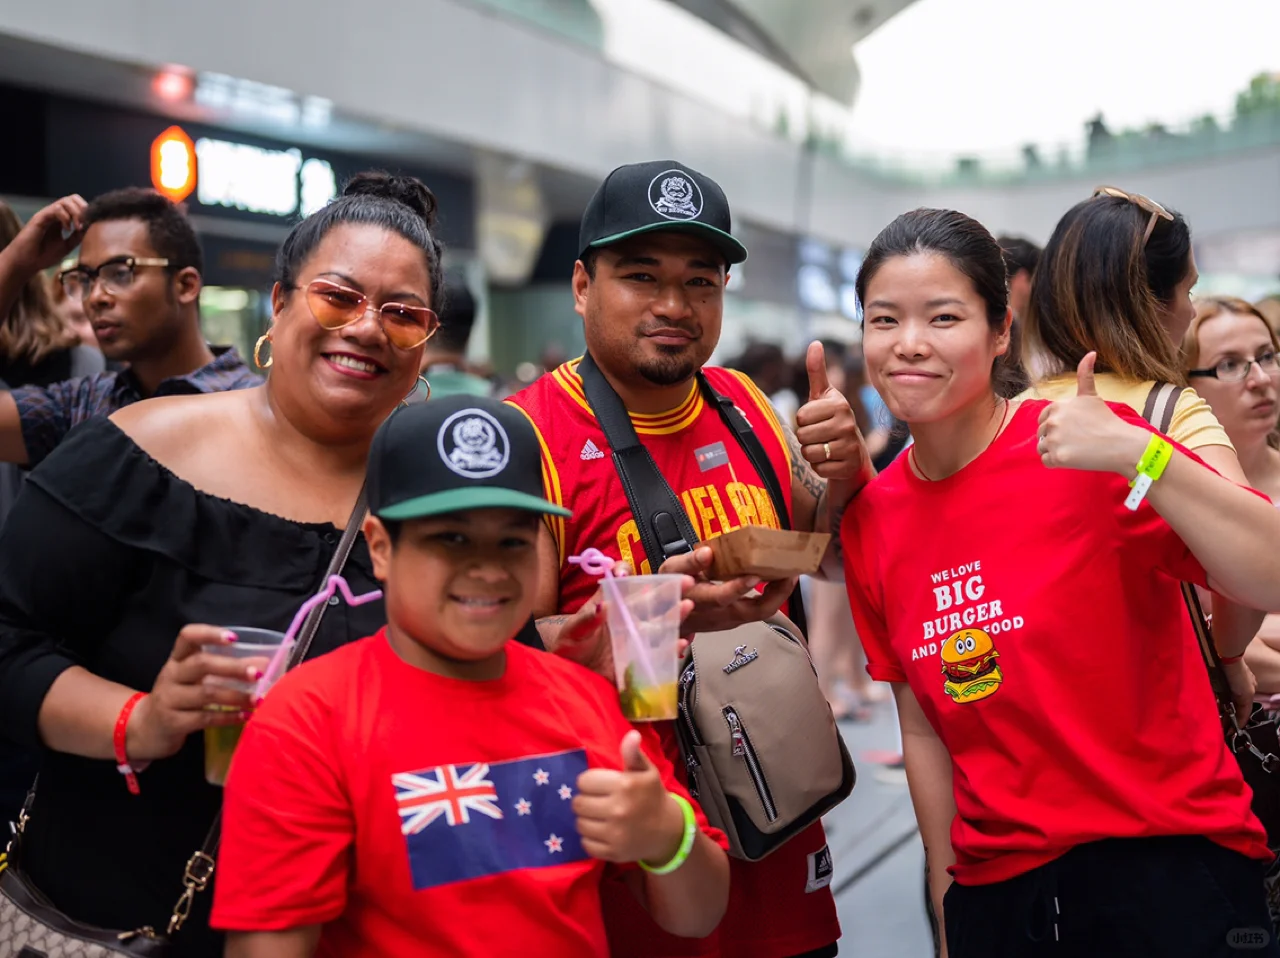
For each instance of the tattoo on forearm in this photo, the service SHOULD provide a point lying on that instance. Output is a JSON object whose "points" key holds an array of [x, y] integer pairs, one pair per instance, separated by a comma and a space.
{"points": [[801, 471], [552, 620]]}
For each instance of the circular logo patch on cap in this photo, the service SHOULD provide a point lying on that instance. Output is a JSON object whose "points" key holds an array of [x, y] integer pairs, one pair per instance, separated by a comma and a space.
{"points": [[675, 195], [473, 444]]}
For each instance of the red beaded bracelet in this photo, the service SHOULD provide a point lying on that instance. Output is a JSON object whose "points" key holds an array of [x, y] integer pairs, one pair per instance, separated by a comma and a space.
{"points": [[130, 772]]}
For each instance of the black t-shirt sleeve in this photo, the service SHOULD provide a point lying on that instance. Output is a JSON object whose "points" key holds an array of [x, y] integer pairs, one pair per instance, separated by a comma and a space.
{"points": [[60, 579]]}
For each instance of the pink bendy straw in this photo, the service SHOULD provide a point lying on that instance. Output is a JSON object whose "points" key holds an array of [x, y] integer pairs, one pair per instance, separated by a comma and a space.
{"points": [[594, 562], [336, 583]]}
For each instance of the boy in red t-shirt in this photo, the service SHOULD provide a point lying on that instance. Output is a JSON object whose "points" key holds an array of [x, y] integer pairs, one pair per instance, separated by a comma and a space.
{"points": [[436, 789]]}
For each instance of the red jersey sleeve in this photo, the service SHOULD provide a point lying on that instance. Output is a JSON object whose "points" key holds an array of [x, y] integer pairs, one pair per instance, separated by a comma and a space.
{"points": [[287, 827], [857, 536]]}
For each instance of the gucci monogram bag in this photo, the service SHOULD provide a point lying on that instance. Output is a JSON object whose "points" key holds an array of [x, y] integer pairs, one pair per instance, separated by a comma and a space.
{"points": [[31, 927]]}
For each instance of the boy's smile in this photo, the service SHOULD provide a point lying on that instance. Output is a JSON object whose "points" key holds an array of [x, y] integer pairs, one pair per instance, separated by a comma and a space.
{"points": [[478, 605]]}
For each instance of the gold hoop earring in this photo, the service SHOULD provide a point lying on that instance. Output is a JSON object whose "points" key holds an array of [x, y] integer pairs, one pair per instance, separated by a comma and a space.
{"points": [[414, 390], [257, 352]]}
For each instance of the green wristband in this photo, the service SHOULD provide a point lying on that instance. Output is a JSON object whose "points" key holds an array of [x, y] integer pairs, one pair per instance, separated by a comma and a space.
{"points": [[1149, 468], [686, 843], [1154, 459]]}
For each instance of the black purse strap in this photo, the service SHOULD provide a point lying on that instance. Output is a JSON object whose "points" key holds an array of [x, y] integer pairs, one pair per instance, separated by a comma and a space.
{"points": [[661, 520], [200, 866], [311, 625], [1158, 410]]}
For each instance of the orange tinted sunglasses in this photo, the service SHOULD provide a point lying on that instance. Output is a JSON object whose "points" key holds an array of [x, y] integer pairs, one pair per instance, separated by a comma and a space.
{"points": [[335, 306]]}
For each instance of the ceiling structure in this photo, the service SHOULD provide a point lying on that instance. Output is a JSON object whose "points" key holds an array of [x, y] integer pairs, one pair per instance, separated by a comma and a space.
{"points": [[812, 39]]}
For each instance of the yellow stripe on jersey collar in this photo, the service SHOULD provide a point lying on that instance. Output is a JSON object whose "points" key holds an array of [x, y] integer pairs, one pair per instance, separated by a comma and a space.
{"points": [[657, 424]]}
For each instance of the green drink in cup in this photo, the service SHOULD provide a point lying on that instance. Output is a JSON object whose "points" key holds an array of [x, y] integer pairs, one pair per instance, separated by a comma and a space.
{"points": [[643, 614], [644, 626], [255, 647]]}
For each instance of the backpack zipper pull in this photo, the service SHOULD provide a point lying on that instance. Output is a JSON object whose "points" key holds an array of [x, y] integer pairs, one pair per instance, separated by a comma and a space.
{"points": [[692, 768], [735, 732]]}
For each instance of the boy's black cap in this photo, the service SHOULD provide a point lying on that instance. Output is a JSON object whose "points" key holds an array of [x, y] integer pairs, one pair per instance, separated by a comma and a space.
{"points": [[659, 195], [452, 454]]}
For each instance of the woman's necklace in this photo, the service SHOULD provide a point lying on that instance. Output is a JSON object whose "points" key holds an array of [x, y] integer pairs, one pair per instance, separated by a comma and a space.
{"points": [[915, 461]]}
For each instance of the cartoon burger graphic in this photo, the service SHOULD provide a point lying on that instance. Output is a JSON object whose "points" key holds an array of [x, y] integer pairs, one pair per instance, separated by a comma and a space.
{"points": [[969, 663]]}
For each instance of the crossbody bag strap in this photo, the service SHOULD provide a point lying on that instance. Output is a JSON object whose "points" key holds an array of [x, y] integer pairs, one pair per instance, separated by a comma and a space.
{"points": [[200, 866], [311, 625], [1208, 651], [1238, 736], [1162, 400], [663, 524], [751, 445]]}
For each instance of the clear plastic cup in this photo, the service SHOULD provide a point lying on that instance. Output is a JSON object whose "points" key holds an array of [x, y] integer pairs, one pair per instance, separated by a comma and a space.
{"points": [[220, 742], [644, 625]]}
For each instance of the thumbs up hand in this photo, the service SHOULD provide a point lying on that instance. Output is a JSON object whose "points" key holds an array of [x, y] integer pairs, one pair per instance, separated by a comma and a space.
{"points": [[1085, 386], [1083, 433], [626, 815], [825, 427], [815, 363]]}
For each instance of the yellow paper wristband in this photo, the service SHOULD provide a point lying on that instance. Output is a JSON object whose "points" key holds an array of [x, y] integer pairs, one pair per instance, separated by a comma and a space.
{"points": [[686, 843], [1155, 459]]}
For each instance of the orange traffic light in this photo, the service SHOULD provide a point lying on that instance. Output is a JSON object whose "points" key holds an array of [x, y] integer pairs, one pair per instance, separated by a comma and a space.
{"points": [[173, 164]]}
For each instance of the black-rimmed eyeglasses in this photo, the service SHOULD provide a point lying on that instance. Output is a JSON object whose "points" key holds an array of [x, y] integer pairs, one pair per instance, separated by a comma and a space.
{"points": [[116, 275], [1235, 370]]}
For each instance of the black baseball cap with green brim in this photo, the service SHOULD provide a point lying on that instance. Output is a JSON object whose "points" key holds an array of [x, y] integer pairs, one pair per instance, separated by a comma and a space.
{"points": [[659, 196], [455, 454]]}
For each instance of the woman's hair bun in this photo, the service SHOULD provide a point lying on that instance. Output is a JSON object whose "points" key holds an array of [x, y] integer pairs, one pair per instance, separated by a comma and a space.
{"points": [[407, 190]]}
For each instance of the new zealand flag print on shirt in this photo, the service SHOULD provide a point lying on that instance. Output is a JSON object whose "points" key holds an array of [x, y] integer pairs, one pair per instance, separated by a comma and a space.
{"points": [[472, 820]]}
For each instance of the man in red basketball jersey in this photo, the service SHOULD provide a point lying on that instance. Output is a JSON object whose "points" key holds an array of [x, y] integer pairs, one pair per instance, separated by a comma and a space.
{"points": [[649, 284]]}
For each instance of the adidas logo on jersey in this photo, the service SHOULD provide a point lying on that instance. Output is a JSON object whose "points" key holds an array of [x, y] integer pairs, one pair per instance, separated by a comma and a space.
{"points": [[591, 451]]}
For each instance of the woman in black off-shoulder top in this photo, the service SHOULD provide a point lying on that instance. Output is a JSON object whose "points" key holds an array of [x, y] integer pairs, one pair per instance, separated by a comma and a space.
{"points": [[221, 509]]}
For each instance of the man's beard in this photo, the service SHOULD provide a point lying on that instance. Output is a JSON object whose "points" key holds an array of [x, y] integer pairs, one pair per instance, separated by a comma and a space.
{"points": [[669, 368]]}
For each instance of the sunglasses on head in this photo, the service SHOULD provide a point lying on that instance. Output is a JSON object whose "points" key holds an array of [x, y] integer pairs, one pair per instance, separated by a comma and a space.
{"points": [[335, 306], [1145, 203]]}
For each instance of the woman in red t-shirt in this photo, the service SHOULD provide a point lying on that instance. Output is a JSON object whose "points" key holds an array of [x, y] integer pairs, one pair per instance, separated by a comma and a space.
{"points": [[1059, 728]]}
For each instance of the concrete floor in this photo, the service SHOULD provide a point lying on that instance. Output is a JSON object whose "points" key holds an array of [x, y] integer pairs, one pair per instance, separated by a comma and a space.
{"points": [[879, 862]]}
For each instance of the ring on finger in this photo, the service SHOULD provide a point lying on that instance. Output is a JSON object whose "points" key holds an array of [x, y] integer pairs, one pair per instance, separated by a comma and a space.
{"points": [[826, 450]]}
